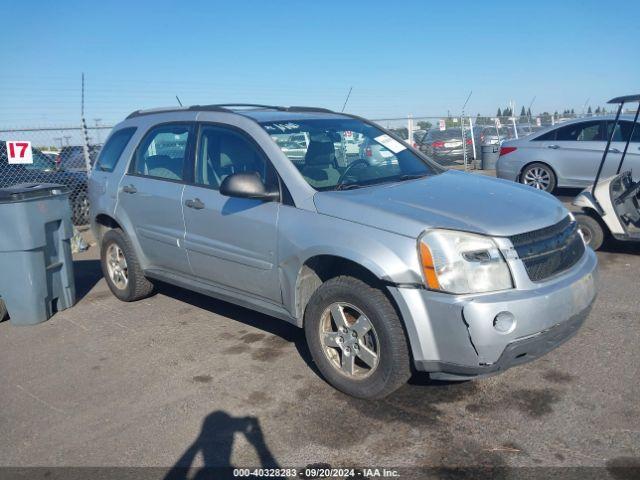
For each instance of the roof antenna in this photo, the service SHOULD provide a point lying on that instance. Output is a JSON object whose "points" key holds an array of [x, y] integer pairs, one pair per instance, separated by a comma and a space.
{"points": [[347, 99], [179, 102]]}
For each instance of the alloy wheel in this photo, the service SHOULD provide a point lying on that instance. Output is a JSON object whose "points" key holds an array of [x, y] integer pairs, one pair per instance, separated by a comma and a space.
{"points": [[349, 340], [117, 266], [537, 177]]}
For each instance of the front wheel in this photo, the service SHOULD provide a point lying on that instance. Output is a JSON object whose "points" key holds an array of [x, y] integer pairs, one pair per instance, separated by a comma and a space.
{"points": [[592, 230], [539, 175], [356, 338]]}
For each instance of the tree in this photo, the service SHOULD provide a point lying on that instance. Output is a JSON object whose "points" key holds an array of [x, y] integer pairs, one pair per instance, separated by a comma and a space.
{"points": [[589, 112], [529, 112], [424, 125], [523, 112], [499, 114]]}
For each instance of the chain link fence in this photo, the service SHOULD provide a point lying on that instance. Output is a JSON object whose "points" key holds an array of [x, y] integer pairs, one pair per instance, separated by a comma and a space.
{"points": [[467, 142], [461, 142], [57, 156]]}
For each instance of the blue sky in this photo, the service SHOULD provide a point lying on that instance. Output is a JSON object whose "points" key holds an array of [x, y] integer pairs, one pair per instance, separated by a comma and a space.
{"points": [[418, 57]]}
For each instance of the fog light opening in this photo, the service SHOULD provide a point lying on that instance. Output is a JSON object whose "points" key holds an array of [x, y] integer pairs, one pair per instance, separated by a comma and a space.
{"points": [[504, 322]]}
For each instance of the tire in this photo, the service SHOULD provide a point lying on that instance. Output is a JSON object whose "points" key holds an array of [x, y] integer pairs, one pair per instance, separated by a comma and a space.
{"points": [[136, 286], [392, 365], [593, 231], [3, 310], [539, 175], [80, 209]]}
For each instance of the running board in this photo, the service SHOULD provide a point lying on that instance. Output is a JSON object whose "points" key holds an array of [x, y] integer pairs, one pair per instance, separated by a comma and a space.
{"points": [[222, 293]]}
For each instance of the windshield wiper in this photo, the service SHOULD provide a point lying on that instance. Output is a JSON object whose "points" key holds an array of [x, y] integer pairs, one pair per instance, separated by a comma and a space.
{"points": [[347, 186], [412, 176]]}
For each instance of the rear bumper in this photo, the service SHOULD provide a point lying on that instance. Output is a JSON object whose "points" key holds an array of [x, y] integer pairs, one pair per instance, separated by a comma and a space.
{"points": [[454, 335]]}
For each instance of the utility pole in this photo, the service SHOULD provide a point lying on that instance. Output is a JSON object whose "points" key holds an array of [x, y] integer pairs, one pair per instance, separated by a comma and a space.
{"points": [[97, 120], [66, 139], [58, 139], [464, 136]]}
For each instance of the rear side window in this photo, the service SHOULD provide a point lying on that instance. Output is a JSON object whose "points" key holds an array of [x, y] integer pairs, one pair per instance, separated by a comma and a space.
{"points": [[113, 149], [581, 132], [163, 152]]}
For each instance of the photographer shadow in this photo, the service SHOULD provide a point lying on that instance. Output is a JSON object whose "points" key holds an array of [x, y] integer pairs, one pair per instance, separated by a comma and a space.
{"points": [[215, 443]]}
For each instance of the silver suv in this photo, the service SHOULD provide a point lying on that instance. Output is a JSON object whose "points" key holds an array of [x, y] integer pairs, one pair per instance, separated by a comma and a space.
{"points": [[389, 267]]}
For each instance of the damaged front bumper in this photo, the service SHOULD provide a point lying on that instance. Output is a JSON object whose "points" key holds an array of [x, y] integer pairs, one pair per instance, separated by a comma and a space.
{"points": [[454, 337]]}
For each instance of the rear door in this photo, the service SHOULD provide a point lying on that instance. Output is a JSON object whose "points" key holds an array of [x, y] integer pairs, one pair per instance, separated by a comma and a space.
{"points": [[150, 194], [575, 152], [231, 242]]}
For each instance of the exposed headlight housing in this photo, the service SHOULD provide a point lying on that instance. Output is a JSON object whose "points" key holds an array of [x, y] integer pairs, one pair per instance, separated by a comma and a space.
{"points": [[460, 262]]}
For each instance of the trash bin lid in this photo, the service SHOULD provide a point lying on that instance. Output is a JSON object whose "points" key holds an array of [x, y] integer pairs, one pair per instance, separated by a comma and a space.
{"points": [[31, 191]]}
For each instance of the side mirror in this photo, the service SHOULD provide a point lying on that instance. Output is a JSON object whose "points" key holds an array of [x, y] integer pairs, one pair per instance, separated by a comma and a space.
{"points": [[247, 185]]}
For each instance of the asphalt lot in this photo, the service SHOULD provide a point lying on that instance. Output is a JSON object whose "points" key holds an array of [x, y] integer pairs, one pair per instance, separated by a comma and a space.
{"points": [[182, 379]]}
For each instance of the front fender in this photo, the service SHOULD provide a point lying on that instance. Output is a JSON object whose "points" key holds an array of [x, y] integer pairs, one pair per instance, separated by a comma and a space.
{"points": [[303, 235]]}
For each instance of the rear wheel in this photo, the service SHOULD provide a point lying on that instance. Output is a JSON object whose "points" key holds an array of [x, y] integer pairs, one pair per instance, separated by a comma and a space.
{"points": [[356, 338], [539, 175], [121, 269], [592, 230]]}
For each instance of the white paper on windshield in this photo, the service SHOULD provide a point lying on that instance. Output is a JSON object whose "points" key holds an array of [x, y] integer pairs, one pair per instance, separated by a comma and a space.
{"points": [[393, 145], [386, 153]]}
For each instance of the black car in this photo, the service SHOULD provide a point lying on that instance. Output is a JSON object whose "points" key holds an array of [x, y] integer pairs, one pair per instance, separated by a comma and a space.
{"points": [[45, 170], [71, 158]]}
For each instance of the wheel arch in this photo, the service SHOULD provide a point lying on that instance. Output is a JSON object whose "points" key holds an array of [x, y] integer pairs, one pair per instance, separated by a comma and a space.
{"points": [[319, 268], [102, 223]]}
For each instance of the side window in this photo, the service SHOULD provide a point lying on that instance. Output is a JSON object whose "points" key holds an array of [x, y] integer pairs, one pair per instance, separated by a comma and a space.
{"points": [[623, 130], [163, 152], [545, 137], [113, 149], [222, 152], [581, 132]]}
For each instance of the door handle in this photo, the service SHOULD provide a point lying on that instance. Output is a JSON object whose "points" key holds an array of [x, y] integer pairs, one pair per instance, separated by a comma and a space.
{"points": [[614, 150], [555, 147], [129, 189], [196, 203]]}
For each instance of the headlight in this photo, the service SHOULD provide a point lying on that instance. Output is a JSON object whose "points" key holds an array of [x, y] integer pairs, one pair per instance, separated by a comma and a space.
{"points": [[459, 262]]}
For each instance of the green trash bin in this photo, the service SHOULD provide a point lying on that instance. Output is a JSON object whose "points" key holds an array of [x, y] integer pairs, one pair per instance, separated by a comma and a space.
{"points": [[36, 267]]}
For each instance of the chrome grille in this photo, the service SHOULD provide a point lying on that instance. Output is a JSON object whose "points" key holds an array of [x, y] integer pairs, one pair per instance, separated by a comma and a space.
{"points": [[550, 250]]}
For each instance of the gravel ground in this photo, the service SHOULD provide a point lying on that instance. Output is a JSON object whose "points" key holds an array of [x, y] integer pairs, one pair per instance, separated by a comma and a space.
{"points": [[182, 379]]}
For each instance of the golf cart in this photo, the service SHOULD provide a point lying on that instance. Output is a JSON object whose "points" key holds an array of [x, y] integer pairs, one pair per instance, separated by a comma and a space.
{"points": [[611, 206]]}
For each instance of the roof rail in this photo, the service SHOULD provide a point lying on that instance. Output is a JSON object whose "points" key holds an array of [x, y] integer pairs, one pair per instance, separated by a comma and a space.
{"points": [[227, 107], [255, 105]]}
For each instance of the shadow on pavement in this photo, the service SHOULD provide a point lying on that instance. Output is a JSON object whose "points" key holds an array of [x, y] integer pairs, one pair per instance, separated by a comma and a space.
{"points": [[272, 325], [87, 273], [215, 443]]}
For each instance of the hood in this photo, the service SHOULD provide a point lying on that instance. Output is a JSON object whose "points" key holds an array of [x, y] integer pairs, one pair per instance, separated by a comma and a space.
{"points": [[453, 200]]}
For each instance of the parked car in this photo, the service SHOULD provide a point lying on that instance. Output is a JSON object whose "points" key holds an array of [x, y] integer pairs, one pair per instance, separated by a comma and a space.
{"points": [[388, 267], [71, 158], [446, 145], [568, 155], [45, 170]]}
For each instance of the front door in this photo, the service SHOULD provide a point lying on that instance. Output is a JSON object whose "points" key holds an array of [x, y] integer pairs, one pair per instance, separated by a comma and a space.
{"points": [[150, 195], [231, 242]]}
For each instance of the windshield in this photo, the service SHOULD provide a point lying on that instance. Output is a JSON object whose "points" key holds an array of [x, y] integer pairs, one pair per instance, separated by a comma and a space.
{"points": [[335, 154]]}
